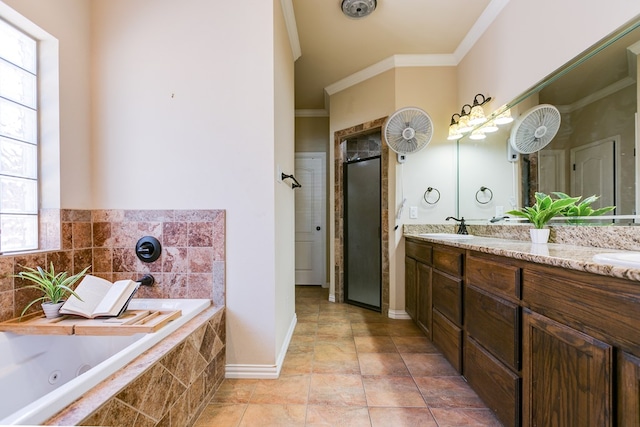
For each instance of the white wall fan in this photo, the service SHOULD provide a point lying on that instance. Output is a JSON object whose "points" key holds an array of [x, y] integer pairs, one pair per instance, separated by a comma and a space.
{"points": [[408, 131], [535, 129]]}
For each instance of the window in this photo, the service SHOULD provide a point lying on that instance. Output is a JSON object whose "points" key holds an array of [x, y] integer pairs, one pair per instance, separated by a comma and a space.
{"points": [[18, 140]]}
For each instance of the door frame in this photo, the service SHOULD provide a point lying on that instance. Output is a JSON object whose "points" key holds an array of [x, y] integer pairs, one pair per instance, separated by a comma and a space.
{"points": [[339, 158], [323, 206]]}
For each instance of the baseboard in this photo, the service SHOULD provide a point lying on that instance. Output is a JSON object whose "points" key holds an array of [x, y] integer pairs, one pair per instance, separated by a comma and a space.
{"points": [[399, 314], [326, 285], [263, 371]]}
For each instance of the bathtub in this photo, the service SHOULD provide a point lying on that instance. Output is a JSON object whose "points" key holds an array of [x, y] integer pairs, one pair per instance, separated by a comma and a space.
{"points": [[42, 374]]}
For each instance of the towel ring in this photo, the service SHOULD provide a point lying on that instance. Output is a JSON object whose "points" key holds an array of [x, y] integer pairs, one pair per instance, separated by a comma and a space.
{"points": [[482, 190], [426, 195]]}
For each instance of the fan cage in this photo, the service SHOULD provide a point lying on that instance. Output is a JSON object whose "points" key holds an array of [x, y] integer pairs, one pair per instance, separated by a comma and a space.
{"points": [[408, 130], [535, 129]]}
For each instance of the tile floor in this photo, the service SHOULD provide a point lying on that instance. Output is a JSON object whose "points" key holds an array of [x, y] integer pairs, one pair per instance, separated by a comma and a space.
{"points": [[348, 366]]}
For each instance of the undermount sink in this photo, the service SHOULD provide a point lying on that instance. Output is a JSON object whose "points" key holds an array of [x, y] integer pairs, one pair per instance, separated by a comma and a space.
{"points": [[623, 259], [447, 236]]}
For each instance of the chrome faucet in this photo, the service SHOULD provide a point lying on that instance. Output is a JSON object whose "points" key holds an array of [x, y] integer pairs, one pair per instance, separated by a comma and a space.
{"points": [[462, 227]]}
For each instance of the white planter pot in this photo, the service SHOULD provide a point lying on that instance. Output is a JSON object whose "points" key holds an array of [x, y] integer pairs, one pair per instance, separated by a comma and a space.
{"points": [[51, 311], [539, 235]]}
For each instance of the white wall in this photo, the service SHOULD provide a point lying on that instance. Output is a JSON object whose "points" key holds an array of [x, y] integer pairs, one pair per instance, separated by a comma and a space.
{"points": [[184, 110], [284, 123]]}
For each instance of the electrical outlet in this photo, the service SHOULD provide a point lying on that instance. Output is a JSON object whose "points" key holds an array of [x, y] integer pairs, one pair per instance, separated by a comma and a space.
{"points": [[413, 212]]}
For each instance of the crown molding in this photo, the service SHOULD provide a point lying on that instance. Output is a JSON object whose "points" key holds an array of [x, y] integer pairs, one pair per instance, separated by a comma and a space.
{"points": [[428, 60], [487, 17], [292, 28], [395, 61], [597, 96]]}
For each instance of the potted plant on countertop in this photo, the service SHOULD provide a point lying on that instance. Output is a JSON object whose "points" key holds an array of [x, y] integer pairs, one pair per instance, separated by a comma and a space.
{"points": [[541, 213], [54, 287]]}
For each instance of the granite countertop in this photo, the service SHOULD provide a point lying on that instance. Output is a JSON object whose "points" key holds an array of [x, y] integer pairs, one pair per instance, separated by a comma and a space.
{"points": [[555, 254]]}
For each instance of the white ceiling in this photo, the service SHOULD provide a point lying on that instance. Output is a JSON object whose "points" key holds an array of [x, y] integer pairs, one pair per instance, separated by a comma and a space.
{"points": [[335, 49]]}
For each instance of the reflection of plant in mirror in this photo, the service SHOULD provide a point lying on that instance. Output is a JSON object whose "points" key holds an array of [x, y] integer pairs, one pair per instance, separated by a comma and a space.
{"points": [[544, 209], [583, 208]]}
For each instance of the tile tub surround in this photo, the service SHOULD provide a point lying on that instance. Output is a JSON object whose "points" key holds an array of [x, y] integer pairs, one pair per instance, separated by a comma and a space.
{"points": [[192, 264], [168, 385]]}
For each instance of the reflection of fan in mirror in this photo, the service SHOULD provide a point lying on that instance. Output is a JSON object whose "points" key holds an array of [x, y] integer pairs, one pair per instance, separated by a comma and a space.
{"points": [[408, 131], [535, 129]]}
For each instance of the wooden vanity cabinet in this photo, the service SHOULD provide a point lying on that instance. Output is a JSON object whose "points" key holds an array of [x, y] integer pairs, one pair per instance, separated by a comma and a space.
{"points": [[492, 348], [541, 345], [446, 282], [418, 299]]}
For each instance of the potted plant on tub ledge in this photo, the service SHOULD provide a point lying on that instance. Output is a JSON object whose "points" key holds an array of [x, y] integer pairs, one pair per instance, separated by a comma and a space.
{"points": [[541, 213], [53, 286]]}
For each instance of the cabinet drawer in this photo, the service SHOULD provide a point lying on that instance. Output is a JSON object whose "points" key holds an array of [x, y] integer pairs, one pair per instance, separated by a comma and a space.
{"points": [[495, 323], [447, 296], [448, 261], [494, 277], [448, 338], [418, 251], [497, 386]]}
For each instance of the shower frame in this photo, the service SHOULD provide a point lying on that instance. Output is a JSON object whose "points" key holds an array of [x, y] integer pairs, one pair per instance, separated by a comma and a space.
{"points": [[340, 158]]}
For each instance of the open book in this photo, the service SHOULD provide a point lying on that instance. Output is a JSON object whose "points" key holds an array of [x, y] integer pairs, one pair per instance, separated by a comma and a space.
{"points": [[100, 297]]}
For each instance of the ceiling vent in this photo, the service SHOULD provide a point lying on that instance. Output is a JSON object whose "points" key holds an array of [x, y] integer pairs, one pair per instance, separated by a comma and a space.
{"points": [[358, 8]]}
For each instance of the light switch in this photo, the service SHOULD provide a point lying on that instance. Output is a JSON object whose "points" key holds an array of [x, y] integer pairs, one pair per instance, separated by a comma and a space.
{"points": [[413, 212]]}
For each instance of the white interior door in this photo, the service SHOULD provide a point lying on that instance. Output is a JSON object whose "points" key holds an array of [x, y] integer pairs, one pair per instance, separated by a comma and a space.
{"points": [[551, 171], [310, 219], [594, 172]]}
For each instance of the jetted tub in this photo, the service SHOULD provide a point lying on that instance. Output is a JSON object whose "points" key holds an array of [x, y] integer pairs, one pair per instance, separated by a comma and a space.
{"points": [[42, 374]]}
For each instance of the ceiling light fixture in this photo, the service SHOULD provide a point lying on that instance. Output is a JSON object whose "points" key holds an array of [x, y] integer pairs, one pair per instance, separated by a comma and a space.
{"points": [[358, 8]]}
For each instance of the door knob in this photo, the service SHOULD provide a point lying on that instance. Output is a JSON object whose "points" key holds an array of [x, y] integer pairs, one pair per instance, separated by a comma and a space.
{"points": [[318, 228]]}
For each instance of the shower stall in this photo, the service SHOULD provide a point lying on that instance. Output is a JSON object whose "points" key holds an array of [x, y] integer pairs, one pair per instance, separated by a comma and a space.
{"points": [[362, 233]]}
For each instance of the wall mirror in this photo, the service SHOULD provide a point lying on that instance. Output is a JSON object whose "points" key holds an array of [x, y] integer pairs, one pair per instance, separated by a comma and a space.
{"points": [[592, 153]]}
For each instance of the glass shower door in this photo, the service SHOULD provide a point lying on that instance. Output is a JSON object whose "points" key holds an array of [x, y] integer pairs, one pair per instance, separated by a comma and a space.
{"points": [[362, 233]]}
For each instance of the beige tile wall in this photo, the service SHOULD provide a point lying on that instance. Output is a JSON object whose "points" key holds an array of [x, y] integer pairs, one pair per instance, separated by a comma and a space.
{"points": [[192, 263]]}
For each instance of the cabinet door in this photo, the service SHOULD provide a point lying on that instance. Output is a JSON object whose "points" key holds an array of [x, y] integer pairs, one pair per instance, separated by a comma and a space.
{"points": [[496, 385], [410, 287], [447, 296], [567, 375], [628, 390], [494, 323], [423, 308], [448, 338]]}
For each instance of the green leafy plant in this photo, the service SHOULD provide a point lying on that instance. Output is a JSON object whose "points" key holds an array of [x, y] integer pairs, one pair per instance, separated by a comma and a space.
{"points": [[584, 207], [54, 286], [544, 209]]}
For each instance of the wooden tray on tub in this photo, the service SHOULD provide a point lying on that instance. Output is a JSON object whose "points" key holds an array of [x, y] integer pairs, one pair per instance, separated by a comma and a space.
{"points": [[129, 323]]}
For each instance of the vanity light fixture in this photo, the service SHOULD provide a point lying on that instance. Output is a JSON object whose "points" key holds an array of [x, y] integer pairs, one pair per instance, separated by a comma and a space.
{"points": [[489, 127], [454, 131], [463, 122], [477, 112], [504, 118], [477, 134]]}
